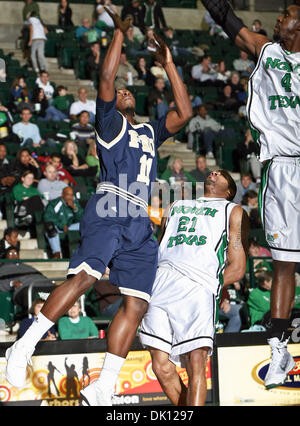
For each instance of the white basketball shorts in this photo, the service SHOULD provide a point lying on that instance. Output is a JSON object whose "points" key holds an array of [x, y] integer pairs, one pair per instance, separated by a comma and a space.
{"points": [[279, 203], [180, 316]]}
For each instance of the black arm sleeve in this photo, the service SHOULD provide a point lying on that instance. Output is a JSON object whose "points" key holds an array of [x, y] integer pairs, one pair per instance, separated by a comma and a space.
{"points": [[223, 15]]}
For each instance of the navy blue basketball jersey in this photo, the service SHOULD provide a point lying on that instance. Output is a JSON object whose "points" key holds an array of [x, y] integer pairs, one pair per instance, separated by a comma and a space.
{"points": [[126, 149]]}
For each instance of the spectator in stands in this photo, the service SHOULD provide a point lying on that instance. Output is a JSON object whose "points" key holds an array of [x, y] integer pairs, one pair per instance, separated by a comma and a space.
{"points": [[28, 198], [60, 105], [51, 187], [230, 311], [76, 326], [260, 297], [6, 122], [250, 201], [173, 44], [29, 7], [63, 175], [9, 240], [40, 103], [201, 171], [72, 161], [244, 185], [223, 73], [235, 83], [43, 82], [92, 159], [64, 14], [144, 72], [37, 40], [244, 65], [94, 63], [132, 44], [196, 100], [104, 21], [127, 75], [83, 104], [137, 11], [158, 71], [82, 132], [257, 27], [86, 33], [228, 100], [65, 214], [20, 94], [255, 250], [154, 16], [25, 162], [204, 72], [8, 175], [37, 305], [207, 127], [28, 133], [177, 175], [160, 99], [247, 151]]}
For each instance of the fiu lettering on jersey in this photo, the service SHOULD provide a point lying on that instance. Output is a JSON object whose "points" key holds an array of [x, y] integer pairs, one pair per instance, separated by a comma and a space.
{"points": [[280, 101]]}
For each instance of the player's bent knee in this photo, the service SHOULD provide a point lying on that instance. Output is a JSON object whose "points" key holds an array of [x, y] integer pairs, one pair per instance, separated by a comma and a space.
{"points": [[136, 306], [163, 369], [83, 281], [198, 358]]}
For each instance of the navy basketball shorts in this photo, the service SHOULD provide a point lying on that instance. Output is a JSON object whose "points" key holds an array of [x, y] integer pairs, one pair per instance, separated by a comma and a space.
{"points": [[124, 244]]}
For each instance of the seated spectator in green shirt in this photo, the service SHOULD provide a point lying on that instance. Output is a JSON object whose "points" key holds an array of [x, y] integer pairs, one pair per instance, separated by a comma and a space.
{"points": [[177, 175], [92, 159], [259, 298], [59, 108], [76, 326], [29, 200]]}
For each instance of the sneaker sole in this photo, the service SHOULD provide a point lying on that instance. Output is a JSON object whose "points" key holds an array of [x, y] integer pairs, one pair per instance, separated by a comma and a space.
{"points": [[290, 367]]}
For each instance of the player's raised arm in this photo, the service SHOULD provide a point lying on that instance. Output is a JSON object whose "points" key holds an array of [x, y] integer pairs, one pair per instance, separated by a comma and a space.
{"points": [[238, 246], [112, 58], [234, 27], [176, 119]]}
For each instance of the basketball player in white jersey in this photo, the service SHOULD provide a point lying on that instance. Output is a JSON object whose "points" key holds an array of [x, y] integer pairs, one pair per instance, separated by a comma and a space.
{"points": [[274, 115], [204, 246]]}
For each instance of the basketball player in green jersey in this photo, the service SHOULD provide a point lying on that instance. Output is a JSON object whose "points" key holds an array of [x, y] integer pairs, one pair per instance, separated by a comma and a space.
{"points": [[274, 114]]}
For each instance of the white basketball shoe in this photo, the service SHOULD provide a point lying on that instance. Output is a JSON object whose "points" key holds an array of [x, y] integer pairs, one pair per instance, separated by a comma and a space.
{"points": [[95, 397], [281, 363], [18, 357]]}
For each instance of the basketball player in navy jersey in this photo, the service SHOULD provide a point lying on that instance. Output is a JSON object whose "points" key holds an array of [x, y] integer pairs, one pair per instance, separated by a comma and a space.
{"points": [[111, 238]]}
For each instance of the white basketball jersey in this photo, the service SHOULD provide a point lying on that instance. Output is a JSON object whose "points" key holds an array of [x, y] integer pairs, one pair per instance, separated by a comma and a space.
{"points": [[274, 102], [196, 238]]}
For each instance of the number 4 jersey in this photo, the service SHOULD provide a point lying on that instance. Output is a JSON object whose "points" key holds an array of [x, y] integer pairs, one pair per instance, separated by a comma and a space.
{"points": [[274, 102], [196, 239]]}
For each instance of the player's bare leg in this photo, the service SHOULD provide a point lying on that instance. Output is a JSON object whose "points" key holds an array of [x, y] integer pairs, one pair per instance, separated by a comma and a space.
{"points": [[64, 296], [123, 328], [196, 368], [283, 289], [59, 301], [168, 377], [282, 296]]}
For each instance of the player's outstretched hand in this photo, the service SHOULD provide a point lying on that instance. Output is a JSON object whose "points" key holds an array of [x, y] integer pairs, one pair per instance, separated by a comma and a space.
{"points": [[122, 25], [160, 50]]}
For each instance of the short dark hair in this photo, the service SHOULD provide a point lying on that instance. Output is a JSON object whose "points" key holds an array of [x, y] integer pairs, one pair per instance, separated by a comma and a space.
{"points": [[264, 276], [55, 155], [231, 184], [8, 231]]}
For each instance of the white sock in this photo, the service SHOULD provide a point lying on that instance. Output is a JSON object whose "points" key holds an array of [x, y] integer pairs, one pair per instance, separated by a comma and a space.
{"points": [[35, 332], [110, 372]]}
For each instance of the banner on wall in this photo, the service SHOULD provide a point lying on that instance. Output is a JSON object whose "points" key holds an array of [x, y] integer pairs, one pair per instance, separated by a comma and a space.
{"points": [[241, 377], [55, 380]]}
